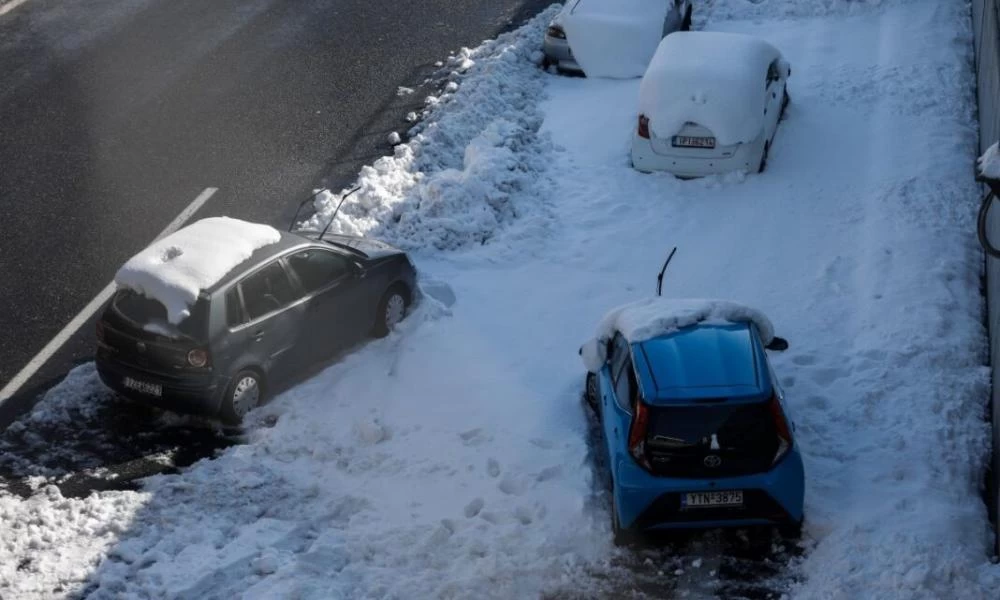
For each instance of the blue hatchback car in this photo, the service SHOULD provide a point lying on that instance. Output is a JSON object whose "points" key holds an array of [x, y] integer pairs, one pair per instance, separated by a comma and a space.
{"points": [[694, 421]]}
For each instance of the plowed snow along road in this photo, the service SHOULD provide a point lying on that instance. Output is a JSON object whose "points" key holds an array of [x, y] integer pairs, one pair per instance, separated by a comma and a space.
{"points": [[452, 459]]}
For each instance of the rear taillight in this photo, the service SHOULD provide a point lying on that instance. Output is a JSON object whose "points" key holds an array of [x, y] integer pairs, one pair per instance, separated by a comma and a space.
{"points": [[197, 358], [556, 32], [781, 427], [643, 130], [637, 434]]}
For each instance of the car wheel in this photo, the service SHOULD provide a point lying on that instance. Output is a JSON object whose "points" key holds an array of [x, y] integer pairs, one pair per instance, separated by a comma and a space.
{"points": [[622, 537], [391, 310], [763, 157], [244, 393], [791, 531], [590, 392], [686, 25]]}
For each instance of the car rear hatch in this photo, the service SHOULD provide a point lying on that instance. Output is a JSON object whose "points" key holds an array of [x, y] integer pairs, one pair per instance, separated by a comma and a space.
{"points": [[692, 141], [711, 440], [135, 331]]}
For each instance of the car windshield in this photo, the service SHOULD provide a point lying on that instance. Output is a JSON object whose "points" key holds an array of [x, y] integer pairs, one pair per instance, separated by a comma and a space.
{"points": [[151, 316], [734, 425]]}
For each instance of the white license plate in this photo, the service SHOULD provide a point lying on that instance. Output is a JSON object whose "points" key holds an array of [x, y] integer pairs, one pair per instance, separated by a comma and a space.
{"points": [[712, 499], [687, 141], [153, 389]]}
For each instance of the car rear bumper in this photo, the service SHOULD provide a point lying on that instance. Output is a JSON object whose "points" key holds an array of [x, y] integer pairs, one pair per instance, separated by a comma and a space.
{"points": [[195, 394], [746, 157], [645, 501], [558, 53]]}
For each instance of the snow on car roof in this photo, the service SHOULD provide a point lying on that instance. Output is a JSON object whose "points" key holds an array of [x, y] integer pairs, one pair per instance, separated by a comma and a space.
{"points": [[653, 317], [614, 38], [711, 78], [173, 270]]}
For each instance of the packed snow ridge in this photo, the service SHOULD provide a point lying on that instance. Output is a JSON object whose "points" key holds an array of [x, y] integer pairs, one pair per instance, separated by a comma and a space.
{"points": [[476, 163]]}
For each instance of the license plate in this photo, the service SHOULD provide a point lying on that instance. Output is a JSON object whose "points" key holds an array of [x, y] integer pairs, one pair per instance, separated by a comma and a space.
{"points": [[687, 141], [153, 389], [712, 499]]}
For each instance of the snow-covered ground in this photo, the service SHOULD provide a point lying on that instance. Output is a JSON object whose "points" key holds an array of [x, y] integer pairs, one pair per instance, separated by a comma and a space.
{"points": [[450, 460]]}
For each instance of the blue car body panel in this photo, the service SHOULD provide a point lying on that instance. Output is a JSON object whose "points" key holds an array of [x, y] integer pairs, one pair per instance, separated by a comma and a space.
{"points": [[703, 364]]}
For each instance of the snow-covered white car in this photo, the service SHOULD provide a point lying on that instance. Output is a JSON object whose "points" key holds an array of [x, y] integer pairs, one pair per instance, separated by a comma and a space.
{"points": [[710, 102], [611, 38]]}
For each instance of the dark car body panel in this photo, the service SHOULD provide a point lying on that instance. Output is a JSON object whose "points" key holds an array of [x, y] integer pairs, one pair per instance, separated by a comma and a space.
{"points": [[307, 326]]}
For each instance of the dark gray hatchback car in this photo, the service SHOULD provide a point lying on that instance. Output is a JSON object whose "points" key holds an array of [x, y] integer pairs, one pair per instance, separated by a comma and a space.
{"points": [[286, 307]]}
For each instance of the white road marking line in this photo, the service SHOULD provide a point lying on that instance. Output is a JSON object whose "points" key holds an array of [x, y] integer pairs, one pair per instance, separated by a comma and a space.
{"points": [[92, 307], [6, 8]]}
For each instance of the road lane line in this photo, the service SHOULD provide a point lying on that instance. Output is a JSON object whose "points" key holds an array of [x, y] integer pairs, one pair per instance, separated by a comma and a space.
{"points": [[9, 6], [92, 307]]}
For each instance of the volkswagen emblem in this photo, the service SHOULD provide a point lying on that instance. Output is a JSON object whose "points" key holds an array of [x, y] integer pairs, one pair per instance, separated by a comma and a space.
{"points": [[712, 461], [141, 347]]}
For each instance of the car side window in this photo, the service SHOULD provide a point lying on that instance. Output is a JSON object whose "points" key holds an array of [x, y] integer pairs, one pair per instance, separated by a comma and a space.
{"points": [[317, 268], [266, 291], [234, 308], [625, 385], [619, 352]]}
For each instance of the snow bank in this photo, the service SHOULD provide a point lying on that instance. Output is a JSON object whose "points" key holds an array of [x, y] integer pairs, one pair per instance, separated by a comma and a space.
{"points": [[714, 79], [646, 319], [614, 38], [476, 164], [989, 162], [174, 269]]}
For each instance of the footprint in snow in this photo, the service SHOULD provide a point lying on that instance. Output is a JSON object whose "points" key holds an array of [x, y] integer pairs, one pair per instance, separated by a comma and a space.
{"points": [[804, 360], [511, 486], [473, 508], [474, 437], [493, 467], [523, 515], [827, 375], [549, 473]]}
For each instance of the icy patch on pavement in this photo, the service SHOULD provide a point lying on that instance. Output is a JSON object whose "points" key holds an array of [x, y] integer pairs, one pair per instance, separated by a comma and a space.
{"points": [[473, 168]]}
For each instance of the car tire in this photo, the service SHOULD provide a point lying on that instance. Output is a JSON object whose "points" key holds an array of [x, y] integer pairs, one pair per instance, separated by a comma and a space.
{"points": [[244, 393], [622, 536], [791, 531], [391, 310], [590, 392], [686, 24], [763, 157]]}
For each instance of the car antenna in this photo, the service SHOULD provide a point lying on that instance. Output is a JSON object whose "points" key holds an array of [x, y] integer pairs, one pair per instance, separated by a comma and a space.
{"points": [[659, 278], [303, 203], [334, 216]]}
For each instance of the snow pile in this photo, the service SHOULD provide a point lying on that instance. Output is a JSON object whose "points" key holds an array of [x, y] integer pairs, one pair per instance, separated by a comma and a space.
{"points": [[714, 79], [475, 166], [176, 268], [614, 38], [773, 10], [653, 317], [989, 162]]}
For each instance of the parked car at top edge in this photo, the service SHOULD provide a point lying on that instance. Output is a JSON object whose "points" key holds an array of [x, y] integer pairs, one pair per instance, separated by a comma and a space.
{"points": [[616, 20], [710, 102], [286, 305], [693, 419]]}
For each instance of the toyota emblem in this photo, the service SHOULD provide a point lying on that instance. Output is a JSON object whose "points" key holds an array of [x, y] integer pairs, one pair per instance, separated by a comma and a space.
{"points": [[712, 461], [141, 347]]}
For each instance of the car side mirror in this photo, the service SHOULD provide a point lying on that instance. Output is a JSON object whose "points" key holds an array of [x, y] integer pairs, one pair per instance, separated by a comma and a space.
{"points": [[777, 344], [594, 355]]}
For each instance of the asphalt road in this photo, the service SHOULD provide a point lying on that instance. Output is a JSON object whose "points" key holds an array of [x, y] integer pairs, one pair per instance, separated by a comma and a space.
{"points": [[116, 114]]}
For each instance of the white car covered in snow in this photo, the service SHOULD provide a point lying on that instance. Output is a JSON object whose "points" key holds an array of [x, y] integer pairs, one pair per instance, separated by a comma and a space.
{"points": [[710, 102], [612, 38]]}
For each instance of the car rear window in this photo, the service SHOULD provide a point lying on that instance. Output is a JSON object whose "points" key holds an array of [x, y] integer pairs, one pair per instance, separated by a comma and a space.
{"points": [[151, 316], [735, 425]]}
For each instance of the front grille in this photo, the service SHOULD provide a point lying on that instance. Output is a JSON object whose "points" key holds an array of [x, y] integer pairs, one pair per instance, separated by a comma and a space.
{"points": [[757, 504]]}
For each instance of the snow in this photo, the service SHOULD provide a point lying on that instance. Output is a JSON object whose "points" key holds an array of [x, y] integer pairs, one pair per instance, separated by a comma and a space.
{"points": [[989, 162], [714, 79], [452, 458], [653, 317], [177, 267], [614, 38]]}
